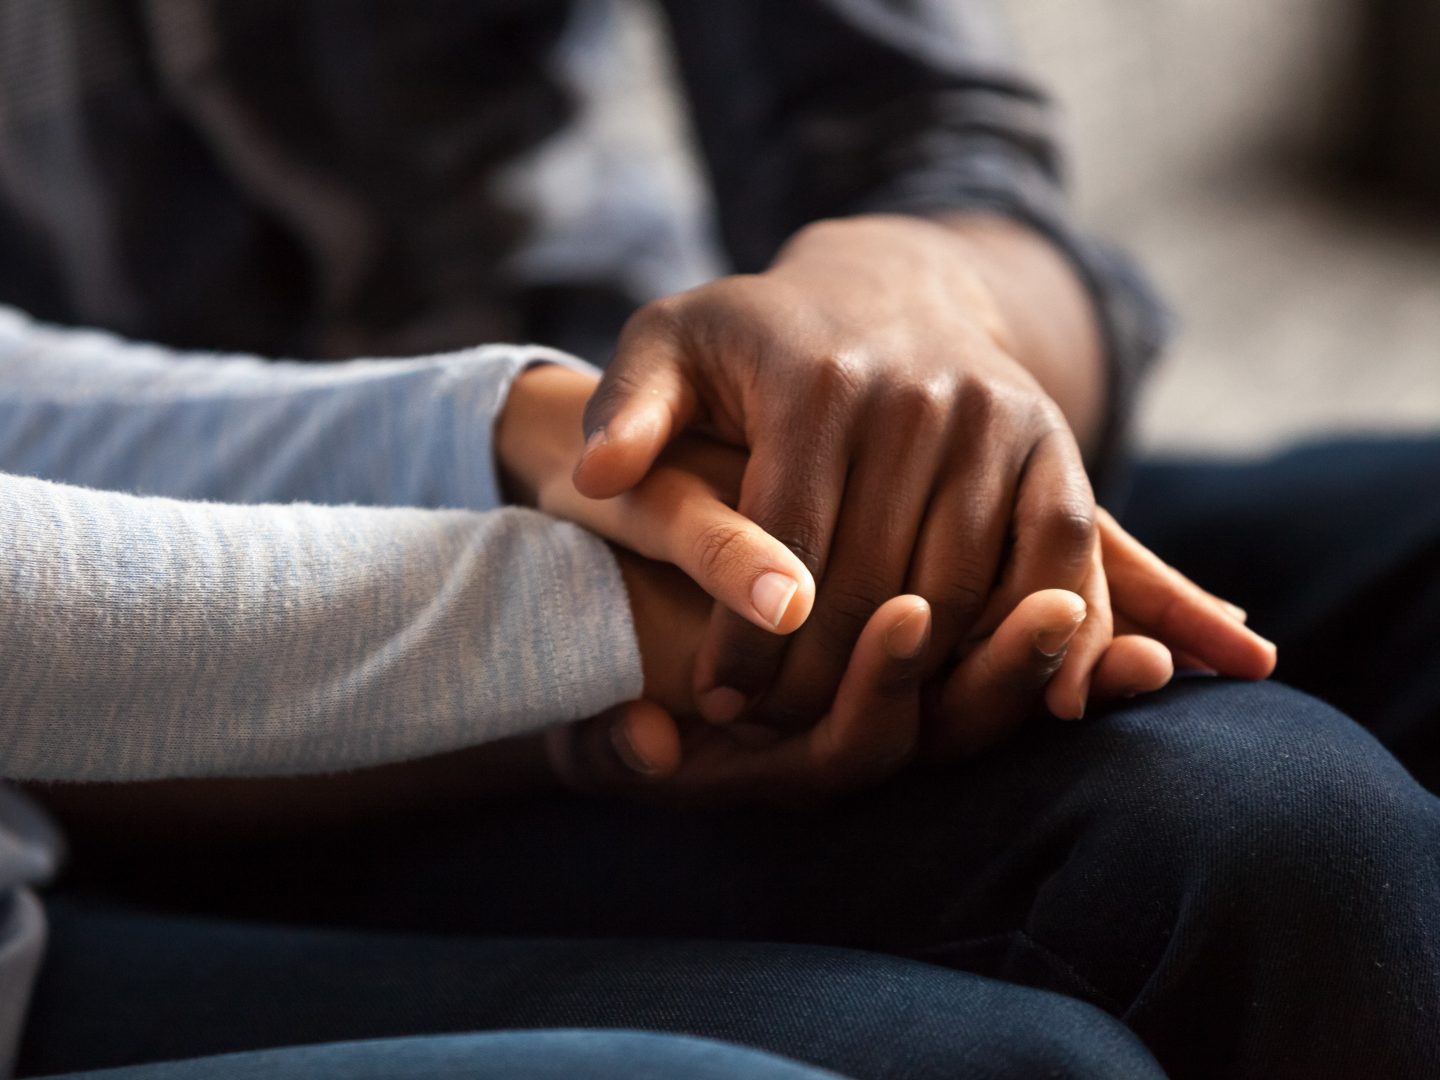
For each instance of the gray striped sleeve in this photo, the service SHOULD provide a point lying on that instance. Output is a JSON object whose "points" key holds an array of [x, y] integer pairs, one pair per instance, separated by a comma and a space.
{"points": [[144, 636], [148, 637]]}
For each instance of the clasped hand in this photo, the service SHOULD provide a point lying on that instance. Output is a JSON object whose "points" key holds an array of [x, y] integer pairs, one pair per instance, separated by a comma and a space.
{"points": [[760, 435]]}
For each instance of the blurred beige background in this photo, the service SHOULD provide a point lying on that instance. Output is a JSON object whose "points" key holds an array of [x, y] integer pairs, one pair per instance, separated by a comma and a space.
{"points": [[1199, 131], [1200, 134]]}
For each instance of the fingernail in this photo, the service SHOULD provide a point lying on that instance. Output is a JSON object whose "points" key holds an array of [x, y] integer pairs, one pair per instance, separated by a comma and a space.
{"points": [[771, 596], [1051, 643], [1235, 611], [722, 704], [599, 437], [626, 752], [907, 637]]}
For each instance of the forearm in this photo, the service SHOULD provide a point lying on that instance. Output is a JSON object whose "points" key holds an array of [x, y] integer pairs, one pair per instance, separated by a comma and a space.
{"points": [[149, 638]]}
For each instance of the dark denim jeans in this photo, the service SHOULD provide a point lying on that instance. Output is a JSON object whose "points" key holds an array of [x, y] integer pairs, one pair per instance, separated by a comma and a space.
{"points": [[145, 987], [534, 1055], [1242, 874]]}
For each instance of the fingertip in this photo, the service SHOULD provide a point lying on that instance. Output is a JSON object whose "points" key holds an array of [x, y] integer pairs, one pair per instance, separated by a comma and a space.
{"points": [[873, 726], [722, 704], [800, 599], [770, 595], [1235, 611], [1252, 657], [1266, 659], [909, 634], [1050, 610], [1066, 702], [781, 596], [646, 740], [619, 453], [1041, 625], [1133, 665]]}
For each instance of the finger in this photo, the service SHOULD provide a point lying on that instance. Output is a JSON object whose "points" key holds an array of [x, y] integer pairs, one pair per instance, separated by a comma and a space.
{"points": [[874, 724], [677, 517], [794, 495], [1002, 682], [1170, 607], [644, 400], [880, 515], [1053, 525], [1133, 665], [1069, 691], [872, 727], [1181, 661], [631, 745], [958, 555]]}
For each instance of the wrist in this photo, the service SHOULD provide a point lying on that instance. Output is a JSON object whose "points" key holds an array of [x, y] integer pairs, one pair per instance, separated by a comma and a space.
{"points": [[1049, 321], [670, 614], [538, 436]]}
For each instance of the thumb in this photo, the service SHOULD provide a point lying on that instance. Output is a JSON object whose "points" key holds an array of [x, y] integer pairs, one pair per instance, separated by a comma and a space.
{"points": [[644, 400], [1002, 682], [677, 516], [629, 746]]}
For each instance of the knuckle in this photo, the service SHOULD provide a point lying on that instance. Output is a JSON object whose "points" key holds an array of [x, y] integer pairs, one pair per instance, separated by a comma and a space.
{"points": [[837, 378], [658, 321], [719, 549], [958, 585], [1050, 418], [960, 602], [802, 531], [1070, 523], [919, 404], [980, 404], [655, 316], [820, 228], [846, 608]]}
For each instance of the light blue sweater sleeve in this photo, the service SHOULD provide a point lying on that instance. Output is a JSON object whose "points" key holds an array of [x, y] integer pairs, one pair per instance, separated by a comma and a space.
{"points": [[147, 634], [87, 408]]}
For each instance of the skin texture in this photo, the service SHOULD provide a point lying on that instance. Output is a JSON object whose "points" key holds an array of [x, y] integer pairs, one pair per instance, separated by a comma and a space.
{"points": [[1002, 678], [908, 404], [911, 427], [888, 715]]}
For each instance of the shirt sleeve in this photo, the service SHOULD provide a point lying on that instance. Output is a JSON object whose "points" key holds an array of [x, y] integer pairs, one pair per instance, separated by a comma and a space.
{"points": [[88, 408], [807, 109], [147, 636]]}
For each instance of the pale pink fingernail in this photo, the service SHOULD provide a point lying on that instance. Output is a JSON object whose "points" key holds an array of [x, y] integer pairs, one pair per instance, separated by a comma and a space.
{"points": [[1235, 611], [907, 637], [1051, 643], [722, 704], [771, 595]]}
